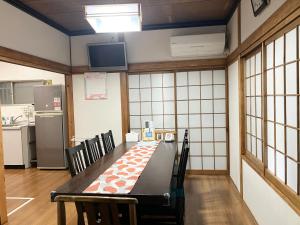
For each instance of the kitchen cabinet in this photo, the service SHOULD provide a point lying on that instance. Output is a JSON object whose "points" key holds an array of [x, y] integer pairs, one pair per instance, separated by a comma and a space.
{"points": [[16, 146]]}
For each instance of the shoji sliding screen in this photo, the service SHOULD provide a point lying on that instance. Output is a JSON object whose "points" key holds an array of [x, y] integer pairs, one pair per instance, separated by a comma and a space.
{"points": [[194, 100], [254, 117], [282, 81], [272, 114], [151, 97], [201, 107]]}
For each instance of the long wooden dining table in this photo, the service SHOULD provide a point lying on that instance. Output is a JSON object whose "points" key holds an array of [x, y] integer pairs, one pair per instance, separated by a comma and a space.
{"points": [[153, 187]]}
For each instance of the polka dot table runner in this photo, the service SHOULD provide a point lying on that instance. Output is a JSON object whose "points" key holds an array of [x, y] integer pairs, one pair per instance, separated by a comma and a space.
{"points": [[121, 177]]}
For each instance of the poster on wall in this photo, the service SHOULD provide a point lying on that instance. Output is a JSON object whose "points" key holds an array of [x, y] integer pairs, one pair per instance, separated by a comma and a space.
{"points": [[95, 86]]}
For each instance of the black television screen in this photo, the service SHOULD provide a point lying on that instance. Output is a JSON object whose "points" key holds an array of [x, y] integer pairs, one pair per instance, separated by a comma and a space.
{"points": [[107, 57]]}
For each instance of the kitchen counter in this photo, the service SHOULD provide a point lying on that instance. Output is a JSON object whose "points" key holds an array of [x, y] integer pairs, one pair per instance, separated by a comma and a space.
{"points": [[17, 127], [13, 127]]}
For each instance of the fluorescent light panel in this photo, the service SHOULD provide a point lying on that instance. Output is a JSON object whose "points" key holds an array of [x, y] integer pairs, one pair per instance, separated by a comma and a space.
{"points": [[114, 18]]}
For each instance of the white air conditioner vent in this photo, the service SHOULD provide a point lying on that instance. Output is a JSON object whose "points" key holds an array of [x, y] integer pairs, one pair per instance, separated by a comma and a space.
{"points": [[198, 45]]}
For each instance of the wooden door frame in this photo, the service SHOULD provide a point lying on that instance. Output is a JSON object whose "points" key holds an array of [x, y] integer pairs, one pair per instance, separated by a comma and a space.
{"points": [[3, 209], [70, 110]]}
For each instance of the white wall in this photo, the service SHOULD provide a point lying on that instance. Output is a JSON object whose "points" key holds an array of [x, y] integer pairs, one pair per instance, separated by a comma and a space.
{"points": [[249, 23], [96, 116], [12, 72], [146, 46], [232, 31], [154, 46], [264, 203], [234, 137], [22, 32]]}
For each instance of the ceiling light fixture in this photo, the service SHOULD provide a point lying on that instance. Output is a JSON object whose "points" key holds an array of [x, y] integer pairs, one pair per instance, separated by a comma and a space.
{"points": [[114, 18]]}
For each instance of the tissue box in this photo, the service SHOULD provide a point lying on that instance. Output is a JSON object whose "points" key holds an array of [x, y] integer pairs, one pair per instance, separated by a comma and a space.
{"points": [[132, 137]]}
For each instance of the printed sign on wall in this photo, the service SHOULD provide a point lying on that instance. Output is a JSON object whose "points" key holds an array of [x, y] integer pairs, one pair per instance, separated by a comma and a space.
{"points": [[95, 86]]}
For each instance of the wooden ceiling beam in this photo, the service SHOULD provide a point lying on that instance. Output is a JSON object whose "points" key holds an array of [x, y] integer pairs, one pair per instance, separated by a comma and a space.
{"points": [[24, 59], [177, 65], [184, 25], [165, 66]]}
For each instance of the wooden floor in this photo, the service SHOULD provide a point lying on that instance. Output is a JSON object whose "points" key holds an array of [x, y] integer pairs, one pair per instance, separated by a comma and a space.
{"points": [[214, 200], [14, 204], [210, 200]]}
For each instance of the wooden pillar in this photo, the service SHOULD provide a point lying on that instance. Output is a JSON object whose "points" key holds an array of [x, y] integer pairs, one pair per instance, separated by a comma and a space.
{"points": [[124, 104], [3, 211], [241, 117], [70, 109]]}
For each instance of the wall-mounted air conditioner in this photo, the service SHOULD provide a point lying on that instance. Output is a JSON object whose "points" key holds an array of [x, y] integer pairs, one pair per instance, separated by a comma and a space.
{"points": [[198, 45]]}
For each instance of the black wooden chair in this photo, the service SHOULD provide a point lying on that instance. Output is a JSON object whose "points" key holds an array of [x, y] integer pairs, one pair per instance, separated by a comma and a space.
{"points": [[108, 141], [177, 165], [182, 167], [184, 143], [173, 213], [94, 149], [99, 210], [77, 159]]}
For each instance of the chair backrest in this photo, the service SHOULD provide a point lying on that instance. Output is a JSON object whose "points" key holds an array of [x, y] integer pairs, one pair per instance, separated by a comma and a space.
{"points": [[185, 139], [108, 141], [184, 143], [182, 165], [181, 159], [92, 205], [186, 133], [77, 159], [94, 149]]}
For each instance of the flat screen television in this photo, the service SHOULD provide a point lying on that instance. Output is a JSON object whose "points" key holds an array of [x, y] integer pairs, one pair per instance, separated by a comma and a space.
{"points": [[107, 57]]}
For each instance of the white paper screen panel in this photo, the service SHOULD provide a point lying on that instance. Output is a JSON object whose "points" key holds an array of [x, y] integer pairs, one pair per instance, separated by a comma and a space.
{"points": [[290, 43], [292, 173], [271, 161], [279, 51], [291, 78], [201, 107]]}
